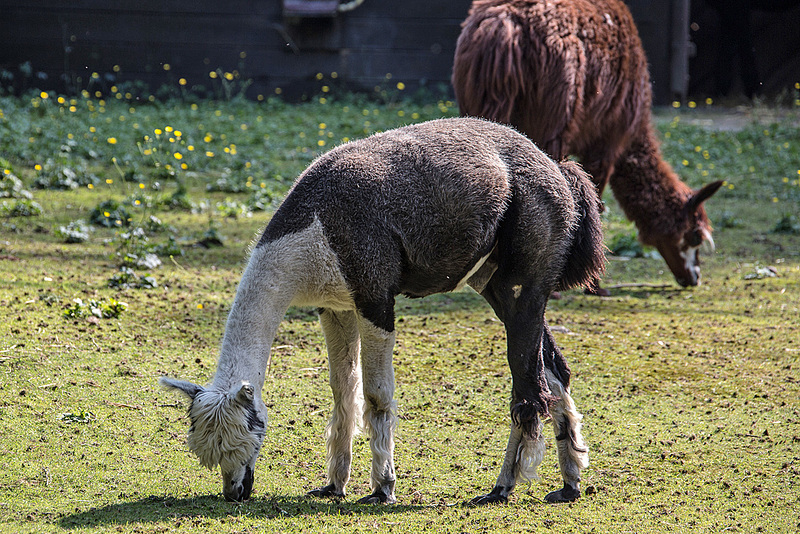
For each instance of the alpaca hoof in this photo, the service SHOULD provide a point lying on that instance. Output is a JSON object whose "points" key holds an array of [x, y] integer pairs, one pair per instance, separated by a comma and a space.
{"points": [[378, 497], [327, 492], [497, 496], [565, 494]]}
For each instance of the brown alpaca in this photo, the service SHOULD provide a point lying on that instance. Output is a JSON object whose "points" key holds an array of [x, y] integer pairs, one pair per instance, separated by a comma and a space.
{"points": [[572, 75]]}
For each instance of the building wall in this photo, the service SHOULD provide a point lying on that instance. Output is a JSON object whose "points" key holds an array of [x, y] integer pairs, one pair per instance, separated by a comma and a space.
{"points": [[413, 41]]}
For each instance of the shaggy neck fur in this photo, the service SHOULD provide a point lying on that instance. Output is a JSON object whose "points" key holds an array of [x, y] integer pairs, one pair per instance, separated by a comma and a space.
{"points": [[298, 269], [649, 191]]}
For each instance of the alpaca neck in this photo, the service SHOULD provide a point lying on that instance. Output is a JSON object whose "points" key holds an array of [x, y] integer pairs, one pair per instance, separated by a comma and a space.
{"points": [[646, 187], [261, 302]]}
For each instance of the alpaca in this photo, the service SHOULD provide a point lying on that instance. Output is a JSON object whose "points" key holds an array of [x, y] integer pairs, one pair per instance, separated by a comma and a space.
{"points": [[418, 210], [572, 75]]}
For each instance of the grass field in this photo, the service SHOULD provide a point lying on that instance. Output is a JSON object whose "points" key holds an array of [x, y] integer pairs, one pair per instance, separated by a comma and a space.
{"points": [[691, 398]]}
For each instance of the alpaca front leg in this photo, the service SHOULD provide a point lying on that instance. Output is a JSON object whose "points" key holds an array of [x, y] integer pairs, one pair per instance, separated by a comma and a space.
{"points": [[573, 455], [380, 419], [342, 341]]}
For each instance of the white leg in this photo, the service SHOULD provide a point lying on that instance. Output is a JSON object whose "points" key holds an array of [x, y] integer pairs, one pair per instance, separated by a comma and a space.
{"points": [[522, 458], [342, 340], [380, 417], [573, 456]]}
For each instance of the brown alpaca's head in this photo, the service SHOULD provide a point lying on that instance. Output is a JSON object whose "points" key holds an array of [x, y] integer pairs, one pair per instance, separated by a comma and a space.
{"points": [[680, 249]]}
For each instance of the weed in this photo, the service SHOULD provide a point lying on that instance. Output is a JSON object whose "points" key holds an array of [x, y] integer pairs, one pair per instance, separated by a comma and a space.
{"points": [[74, 232], [108, 308]]}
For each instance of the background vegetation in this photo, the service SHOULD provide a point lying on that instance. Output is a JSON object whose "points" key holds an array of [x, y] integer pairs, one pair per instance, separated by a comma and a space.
{"points": [[125, 225]]}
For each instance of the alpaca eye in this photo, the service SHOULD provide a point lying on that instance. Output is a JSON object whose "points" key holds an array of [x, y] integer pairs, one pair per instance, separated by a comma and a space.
{"points": [[695, 238]]}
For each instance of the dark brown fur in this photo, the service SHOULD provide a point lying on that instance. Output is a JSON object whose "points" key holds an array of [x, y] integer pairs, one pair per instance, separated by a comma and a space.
{"points": [[572, 75]]}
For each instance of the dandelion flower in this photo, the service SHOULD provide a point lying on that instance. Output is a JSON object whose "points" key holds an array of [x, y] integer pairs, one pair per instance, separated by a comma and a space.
{"points": [[199, 306], [141, 186], [209, 154], [401, 86], [39, 168], [112, 140], [109, 181], [178, 155], [44, 95], [157, 131]]}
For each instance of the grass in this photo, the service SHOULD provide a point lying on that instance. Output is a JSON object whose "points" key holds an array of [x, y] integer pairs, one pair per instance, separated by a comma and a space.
{"points": [[690, 397]]}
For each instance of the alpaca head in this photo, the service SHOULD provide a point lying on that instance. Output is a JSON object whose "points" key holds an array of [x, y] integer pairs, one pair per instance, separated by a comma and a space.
{"points": [[681, 249], [227, 429]]}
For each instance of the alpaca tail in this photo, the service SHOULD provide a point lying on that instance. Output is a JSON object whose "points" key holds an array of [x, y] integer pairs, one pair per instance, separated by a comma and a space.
{"points": [[585, 261], [488, 66]]}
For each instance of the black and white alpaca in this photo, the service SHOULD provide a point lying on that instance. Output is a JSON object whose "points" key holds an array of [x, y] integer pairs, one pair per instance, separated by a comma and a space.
{"points": [[417, 210]]}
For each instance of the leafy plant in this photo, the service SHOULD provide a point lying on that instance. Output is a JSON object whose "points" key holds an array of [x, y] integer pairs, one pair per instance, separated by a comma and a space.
{"points": [[127, 278], [109, 214], [626, 245], [788, 224], [108, 308], [20, 208], [74, 232]]}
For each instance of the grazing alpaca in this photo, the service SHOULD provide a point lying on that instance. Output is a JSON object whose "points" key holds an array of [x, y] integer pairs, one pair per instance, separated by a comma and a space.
{"points": [[418, 210], [572, 75]]}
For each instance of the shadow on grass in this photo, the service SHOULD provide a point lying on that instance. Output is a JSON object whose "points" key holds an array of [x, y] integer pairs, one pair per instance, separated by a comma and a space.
{"points": [[155, 509]]}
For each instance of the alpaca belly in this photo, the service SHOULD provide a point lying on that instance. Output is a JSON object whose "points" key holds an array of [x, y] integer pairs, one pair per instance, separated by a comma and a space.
{"points": [[422, 283]]}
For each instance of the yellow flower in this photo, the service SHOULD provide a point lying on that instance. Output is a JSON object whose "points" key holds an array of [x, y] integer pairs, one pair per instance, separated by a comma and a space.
{"points": [[39, 168], [167, 66], [112, 140], [208, 138], [182, 81], [109, 181], [90, 186], [141, 186], [178, 155], [44, 95], [209, 154], [178, 133], [158, 131], [401, 86], [199, 306], [212, 75], [92, 129], [676, 104], [168, 129]]}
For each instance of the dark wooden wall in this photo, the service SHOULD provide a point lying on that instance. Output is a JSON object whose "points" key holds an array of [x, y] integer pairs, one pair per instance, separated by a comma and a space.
{"points": [[133, 40], [411, 40], [774, 37]]}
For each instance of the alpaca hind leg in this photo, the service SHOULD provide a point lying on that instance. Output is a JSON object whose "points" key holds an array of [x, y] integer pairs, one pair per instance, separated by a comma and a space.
{"points": [[380, 418], [573, 456], [342, 340], [523, 456]]}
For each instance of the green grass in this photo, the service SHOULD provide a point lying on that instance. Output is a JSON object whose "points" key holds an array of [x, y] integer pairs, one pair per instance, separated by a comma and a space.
{"points": [[691, 397]]}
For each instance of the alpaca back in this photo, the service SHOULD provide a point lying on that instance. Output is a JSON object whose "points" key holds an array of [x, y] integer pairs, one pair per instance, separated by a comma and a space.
{"points": [[570, 74]]}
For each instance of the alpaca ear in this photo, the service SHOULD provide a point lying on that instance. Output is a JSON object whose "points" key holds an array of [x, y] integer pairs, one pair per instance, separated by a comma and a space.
{"points": [[701, 195], [187, 388], [246, 394]]}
